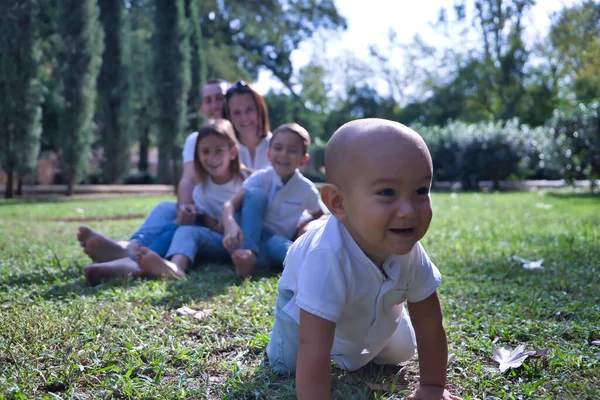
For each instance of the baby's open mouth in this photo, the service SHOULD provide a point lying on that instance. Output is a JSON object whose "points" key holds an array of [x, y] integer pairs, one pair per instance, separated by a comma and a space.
{"points": [[402, 231]]}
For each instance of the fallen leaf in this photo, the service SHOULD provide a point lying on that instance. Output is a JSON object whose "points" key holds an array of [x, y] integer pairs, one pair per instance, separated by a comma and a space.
{"points": [[451, 357], [194, 313], [596, 343], [508, 358], [496, 340], [537, 264]]}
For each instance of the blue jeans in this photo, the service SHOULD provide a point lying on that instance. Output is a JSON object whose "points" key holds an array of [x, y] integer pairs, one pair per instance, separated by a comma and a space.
{"points": [[162, 215], [282, 349], [270, 248], [162, 241], [198, 244]]}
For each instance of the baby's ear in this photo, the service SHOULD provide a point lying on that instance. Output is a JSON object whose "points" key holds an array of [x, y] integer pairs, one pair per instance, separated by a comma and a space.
{"points": [[333, 197], [304, 160]]}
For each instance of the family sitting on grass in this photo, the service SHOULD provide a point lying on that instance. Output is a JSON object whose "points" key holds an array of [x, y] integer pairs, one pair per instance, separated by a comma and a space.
{"points": [[346, 280]]}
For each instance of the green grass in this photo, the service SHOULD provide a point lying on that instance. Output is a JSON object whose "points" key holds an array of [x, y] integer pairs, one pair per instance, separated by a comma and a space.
{"points": [[60, 338]]}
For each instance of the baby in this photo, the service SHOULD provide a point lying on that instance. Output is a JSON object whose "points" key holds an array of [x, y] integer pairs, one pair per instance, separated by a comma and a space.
{"points": [[345, 283]]}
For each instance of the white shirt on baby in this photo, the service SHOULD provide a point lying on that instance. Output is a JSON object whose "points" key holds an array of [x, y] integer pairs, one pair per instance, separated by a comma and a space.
{"points": [[286, 203], [210, 197], [260, 154], [189, 147], [331, 277]]}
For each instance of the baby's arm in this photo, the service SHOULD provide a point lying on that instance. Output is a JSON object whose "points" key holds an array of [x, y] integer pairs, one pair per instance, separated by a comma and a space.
{"points": [[232, 234], [432, 347], [313, 368]]}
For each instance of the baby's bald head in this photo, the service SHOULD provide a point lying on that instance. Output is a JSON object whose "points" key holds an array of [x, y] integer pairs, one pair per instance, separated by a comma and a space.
{"points": [[364, 140]]}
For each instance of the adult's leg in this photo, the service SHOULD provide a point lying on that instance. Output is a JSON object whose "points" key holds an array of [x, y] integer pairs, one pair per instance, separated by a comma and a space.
{"points": [[101, 248], [161, 243], [163, 214]]}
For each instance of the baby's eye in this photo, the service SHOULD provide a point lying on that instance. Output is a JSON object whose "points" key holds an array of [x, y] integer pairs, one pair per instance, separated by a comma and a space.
{"points": [[422, 191], [388, 192]]}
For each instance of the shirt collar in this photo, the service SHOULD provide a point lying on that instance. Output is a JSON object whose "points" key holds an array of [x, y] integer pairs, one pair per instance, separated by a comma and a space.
{"points": [[277, 179], [391, 266]]}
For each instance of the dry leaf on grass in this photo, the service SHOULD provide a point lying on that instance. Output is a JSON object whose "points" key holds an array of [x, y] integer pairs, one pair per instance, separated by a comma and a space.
{"points": [[508, 358], [198, 314], [537, 264], [386, 386], [596, 343], [451, 357]]}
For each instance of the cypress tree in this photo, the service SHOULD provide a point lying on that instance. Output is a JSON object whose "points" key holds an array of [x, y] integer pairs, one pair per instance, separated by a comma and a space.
{"points": [[81, 57], [20, 102], [114, 87], [197, 65], [171, 84]]}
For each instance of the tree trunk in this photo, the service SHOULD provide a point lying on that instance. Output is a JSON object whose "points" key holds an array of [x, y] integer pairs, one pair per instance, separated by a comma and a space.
{"points": [[144, 148], [8, 193], [19, 191], [70, 186]]}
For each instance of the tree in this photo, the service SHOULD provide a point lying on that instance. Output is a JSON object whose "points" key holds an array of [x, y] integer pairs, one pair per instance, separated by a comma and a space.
{"points": [[171, 83], [20, 109], [141, 19], [575, 38], [247, 35], [81, 57], [197, 65], [114, 97]]}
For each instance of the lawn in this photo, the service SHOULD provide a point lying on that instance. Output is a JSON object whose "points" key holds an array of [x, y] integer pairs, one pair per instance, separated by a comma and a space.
{"points": [[61, 338]]}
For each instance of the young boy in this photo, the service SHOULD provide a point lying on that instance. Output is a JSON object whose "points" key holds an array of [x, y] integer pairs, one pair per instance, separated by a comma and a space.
{"points": [[273, 200], [345, 282]]}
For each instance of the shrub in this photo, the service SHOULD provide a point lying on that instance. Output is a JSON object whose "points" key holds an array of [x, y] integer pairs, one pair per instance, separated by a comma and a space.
{"points": [[577, 140]]}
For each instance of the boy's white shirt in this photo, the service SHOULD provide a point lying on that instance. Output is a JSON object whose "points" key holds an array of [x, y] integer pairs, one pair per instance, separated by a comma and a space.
{"points": [[260, 154], [286, 203], [332, 278], [210, 197], [188, 147]]}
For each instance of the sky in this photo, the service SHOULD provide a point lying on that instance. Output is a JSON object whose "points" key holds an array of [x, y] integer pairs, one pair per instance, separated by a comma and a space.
{"points": [[369, 22]]}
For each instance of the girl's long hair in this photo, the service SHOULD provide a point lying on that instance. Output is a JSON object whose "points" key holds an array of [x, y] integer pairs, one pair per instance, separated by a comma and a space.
{"points": [[223, 129], [241, 87]]}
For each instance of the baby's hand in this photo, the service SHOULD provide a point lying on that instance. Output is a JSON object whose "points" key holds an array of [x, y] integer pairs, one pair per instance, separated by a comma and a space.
{"points": [[430, 392]]}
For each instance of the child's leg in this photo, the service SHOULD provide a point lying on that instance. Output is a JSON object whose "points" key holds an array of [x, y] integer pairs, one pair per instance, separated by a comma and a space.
{"points": [[273, 249], [188, 241], [161, 243], [254, 208], [402, 345], [282, 350]]}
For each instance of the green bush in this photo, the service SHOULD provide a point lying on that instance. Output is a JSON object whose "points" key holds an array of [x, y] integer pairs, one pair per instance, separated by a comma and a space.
{"points": [[577, 141], [471, 153]]}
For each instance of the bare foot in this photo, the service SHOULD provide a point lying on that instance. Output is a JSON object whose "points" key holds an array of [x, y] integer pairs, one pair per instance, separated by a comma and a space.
{"points": [[155, 266], [244, 260], [100, 248], [121, 268]]}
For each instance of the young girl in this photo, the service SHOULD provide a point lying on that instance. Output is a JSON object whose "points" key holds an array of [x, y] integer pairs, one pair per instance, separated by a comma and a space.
{"points": [[247, 111], [220, 175]]}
